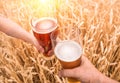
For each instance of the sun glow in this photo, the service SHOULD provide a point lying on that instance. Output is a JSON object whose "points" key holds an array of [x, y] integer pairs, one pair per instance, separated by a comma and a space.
{"points": [[44, 1], [49, 7]]}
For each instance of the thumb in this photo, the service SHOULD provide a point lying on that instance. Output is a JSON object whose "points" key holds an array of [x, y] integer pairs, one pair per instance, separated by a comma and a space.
{"points": [[67, 73], [40, 49], [38, 46]]}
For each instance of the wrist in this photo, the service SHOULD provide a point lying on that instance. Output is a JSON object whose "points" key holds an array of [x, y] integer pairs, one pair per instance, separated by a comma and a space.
{"points": [[97, 77], [101, 78], [104, 79]]}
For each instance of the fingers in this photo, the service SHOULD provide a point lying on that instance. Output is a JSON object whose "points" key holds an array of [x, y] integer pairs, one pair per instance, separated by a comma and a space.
{"points": [[40, 49], [84, 59], [37, 45], [75, 72], [51, 52], [69, 73], [66, 73]]}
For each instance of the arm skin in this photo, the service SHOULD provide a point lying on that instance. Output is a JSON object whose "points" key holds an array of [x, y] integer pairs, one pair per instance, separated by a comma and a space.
{"points": [[86, 73], [13, 29]]}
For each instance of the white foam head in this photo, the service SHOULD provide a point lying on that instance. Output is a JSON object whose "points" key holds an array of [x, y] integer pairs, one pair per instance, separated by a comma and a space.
{"points": [[68, 51], [47, 25]]}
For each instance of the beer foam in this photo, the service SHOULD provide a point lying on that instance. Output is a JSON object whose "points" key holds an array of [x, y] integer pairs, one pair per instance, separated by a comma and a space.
{"points": [[68, 51], [45, 25]]}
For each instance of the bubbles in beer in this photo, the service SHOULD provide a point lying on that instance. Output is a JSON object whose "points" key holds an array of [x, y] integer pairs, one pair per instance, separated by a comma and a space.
{"points": [[68, 50]]}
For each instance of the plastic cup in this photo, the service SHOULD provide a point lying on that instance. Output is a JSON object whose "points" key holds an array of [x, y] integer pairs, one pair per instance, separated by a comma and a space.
{"points": [[69, 54], [42, 29]]}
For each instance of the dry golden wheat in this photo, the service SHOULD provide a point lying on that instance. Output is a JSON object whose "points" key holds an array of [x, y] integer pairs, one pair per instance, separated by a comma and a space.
{"points": [[95, 24]]}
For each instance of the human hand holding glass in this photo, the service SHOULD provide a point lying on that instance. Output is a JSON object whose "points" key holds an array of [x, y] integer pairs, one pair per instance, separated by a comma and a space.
{"points": [[68, 53], [42, 29]]}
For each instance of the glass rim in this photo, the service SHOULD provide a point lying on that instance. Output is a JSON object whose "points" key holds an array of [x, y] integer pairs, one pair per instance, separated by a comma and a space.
{"points": [[68, 41], [44, 31]]}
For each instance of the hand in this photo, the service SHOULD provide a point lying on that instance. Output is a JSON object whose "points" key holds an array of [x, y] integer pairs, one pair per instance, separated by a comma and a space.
{"points": [[86, 72], [17, 31], [36, 44]]}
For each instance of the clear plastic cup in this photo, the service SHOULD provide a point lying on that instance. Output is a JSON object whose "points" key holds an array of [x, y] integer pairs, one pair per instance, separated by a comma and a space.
{"points": [[42, 29], [69, 54]]}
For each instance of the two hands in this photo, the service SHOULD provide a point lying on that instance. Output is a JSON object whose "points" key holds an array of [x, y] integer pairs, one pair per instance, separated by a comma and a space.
{"points": [[86, 73]]}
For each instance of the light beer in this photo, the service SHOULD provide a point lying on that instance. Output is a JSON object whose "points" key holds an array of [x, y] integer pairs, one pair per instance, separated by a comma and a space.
{"points": [[69, 52], [42, 28]]}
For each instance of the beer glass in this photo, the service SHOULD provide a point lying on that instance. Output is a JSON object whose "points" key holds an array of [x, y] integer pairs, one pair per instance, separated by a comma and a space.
{"points": [[68, 53], [42, 28]]}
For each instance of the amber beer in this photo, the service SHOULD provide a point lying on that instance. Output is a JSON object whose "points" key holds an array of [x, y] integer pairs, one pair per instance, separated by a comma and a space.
{"points": [[42, 28], [69, 52]]}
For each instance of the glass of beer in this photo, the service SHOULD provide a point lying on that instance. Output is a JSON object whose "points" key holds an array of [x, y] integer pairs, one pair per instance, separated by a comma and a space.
{"points": [[69, 54], [42, 28]]}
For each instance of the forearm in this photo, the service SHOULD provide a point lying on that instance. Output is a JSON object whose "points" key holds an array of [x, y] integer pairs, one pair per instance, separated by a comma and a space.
{"points": [[13, 29], [98, 77], [104, 79]]}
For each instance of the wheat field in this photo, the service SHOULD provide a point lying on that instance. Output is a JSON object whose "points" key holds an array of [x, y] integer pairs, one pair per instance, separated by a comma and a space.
{"points": [[93, 23]]}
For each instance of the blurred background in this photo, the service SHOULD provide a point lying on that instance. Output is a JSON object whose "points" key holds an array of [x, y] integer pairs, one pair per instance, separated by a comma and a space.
{"points": [[94, 23]]}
